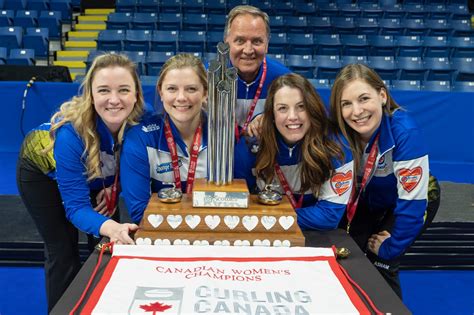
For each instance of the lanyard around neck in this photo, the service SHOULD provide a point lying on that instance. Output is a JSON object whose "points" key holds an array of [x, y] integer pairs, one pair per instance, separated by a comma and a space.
{"points": [[286, 187], [174, 156], [111, 201]]}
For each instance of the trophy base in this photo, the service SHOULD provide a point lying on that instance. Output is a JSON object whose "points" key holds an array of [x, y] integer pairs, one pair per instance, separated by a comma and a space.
{"points": [[210, 195]]}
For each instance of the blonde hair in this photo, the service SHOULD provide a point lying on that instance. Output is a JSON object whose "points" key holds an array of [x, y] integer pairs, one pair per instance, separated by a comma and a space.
{"points": [[246, 9], [348, 74], [80, 112], [317, 148], [181, 61]]}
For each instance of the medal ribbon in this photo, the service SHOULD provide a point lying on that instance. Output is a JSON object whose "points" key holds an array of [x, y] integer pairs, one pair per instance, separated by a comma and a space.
{"points": [[111, 201], [286, 187], [254, 102], [174, 156], [368, 170]]}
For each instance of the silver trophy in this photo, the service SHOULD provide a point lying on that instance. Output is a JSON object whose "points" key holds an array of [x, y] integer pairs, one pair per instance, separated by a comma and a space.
{"points": [[269, 195]]}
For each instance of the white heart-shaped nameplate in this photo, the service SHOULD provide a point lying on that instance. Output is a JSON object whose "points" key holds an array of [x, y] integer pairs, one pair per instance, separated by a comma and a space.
{"points": [[155, 220], [174, 220], [268, 221], [192, 220], [277, 243], [164, 241], [286, 221], [231, 221], [258, 242], [250, 222], [212, 221], [143, 241], [237, 243], [286, 243], [200, 243], [225, 243]]}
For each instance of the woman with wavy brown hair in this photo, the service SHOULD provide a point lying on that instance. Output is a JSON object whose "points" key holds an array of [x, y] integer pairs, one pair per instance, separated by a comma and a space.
{"points": [[301, 155], [68, 169]]}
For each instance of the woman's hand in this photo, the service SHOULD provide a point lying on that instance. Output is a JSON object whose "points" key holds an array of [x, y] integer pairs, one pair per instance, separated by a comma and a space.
{"points": [[101, 207], [376, 240], [254, 128], [118, 232]]}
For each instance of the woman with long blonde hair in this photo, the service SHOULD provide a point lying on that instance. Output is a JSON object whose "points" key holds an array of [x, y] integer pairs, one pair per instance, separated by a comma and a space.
{"points": [[68, 169]]}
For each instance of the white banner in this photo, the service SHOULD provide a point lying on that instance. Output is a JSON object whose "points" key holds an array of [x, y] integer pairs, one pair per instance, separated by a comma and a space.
{"points": [[223, 280]]}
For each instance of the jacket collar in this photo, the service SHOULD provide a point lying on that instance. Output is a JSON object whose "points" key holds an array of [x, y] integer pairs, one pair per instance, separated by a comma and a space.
{"points": [[386, 140]]}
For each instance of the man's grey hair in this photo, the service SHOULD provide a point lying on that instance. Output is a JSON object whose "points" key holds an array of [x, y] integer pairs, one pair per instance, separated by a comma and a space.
{"points": [[246, 9]]}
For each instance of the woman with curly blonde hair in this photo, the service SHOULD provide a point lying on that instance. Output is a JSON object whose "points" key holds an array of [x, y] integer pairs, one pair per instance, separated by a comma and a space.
{"points": [[68, 169]]}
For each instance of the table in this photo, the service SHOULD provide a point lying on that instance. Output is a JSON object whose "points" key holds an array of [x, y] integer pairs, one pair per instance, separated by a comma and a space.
{"points": [[357, 265]]}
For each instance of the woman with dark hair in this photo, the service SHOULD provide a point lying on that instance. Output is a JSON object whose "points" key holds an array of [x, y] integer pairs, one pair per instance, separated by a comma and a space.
{"points": [[300, 155], [395, 196], [67, 169]]}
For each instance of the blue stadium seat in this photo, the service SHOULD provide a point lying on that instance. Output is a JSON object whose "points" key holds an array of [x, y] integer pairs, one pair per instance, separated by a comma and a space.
{"points": [[281, 58], [345, 60], [304, 8], [354, 45], [367, 25], [320, 24], [436, 46], [119, 20], [326, 67], [438, 11], [38, 5], [125, 5], [327, 44], [3, 55], [170, 21], [462, 46], [14, 5], [137, 40], [6, 17], [215, 7], [463, 86], [393, 11], [301, 64], [374, 12], [195, 22], [52, 21], [139, 58], [462, 28], [213, 38], [277, 24], [11, 37], [343, 25], [415, 10], [406, 85], [411, 68], [216, 22], [391, 26], [385, 66], [440, 86], [63, 6], [296, 24], [144, 21], [192, 41], [439, 69], [38, 40], [328, 9], [279, 43], [170, 6], [349, 10], [282, 8], [382, 45], [464, 67], [155, 60], [165, 41], [438, 27], [300, 44], [111, 40], [148, 6], [409, 46], [414, 27], [24, 57], [26, 18], [320, 83]]}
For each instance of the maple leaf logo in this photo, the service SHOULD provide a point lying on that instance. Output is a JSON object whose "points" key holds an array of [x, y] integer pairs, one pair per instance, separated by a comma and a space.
{"points": [[155, 307]]}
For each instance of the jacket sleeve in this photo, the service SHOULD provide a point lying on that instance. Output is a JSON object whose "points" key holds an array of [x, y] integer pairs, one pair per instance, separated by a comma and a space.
{"points": [[411, 171], [135, 173], [72, 182], [333, 197]]}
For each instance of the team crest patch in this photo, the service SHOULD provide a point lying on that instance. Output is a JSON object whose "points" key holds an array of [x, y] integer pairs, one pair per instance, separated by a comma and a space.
{"points": [[341, 182], [409, 178], [381, 164]]}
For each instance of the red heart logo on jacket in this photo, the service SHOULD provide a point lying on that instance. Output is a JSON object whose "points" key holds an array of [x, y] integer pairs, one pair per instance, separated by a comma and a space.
{"points": [[341, 182], [409, 178]]}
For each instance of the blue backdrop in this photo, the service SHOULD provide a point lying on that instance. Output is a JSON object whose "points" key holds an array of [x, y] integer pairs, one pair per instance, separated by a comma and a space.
{"points": [[445, 117]]}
